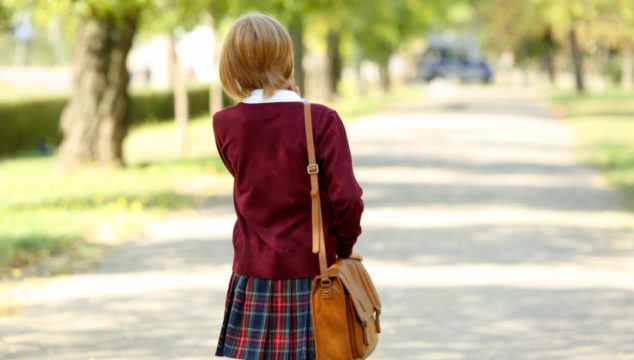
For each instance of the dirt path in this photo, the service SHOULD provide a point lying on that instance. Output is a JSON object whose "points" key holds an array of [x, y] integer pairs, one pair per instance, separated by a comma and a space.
{"points": [[485, 237]]}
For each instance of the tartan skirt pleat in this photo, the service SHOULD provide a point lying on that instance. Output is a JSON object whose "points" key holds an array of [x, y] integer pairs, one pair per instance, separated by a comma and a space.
{"points": [[267, 320]]}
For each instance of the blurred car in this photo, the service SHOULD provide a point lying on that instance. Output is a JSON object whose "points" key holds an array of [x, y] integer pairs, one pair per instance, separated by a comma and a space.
{"points": [[453, 57]]}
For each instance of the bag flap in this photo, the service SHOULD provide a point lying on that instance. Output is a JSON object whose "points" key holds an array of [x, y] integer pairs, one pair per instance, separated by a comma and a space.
{"points": [[357, 282]]}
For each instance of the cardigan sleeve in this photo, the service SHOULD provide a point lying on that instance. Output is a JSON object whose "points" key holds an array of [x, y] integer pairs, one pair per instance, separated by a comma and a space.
{"points": [[220, 147], [344, 190]]}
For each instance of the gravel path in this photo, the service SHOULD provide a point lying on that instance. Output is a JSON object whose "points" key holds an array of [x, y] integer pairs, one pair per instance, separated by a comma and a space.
{"points": [[486, 239]]}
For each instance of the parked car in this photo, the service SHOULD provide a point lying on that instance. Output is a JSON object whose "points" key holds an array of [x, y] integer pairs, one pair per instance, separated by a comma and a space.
{"points": [[453, 57]]}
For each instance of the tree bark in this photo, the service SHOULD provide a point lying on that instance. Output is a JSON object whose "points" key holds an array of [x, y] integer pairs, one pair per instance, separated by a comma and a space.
{"points": [[334, 62], [601, 59], [361, 83], [95, 120], [296, 30], [627, 67], [384, 75], [181, 102], [577, 60], [215, 88], [549, 57]]}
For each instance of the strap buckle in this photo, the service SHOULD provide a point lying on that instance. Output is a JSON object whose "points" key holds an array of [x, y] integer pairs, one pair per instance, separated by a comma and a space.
{"points": [[312, 169]]}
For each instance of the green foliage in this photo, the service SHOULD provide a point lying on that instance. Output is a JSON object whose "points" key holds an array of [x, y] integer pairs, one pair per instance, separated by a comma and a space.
{"points": [[5, 18], [165, 15], [159, 105], [382, 27], [155, 15], [27, 123], [521, 25], [378, 26], [513, 24]]}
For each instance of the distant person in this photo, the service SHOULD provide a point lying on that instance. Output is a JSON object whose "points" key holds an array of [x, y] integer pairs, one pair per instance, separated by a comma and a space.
{"points": [[262, 142], [147, 74]]}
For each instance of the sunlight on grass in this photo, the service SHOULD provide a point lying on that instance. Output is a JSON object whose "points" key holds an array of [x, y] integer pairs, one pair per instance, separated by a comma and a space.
{"points": [[351, 105], [605, 126], [158, 141], [9, 94], [45, 213]]}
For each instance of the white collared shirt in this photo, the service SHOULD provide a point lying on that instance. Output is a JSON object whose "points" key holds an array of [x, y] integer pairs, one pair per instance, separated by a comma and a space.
{"points": [[280, 95]]}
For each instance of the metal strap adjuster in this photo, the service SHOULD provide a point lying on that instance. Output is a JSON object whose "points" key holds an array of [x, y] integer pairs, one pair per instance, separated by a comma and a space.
{"points": [[312, 168]]}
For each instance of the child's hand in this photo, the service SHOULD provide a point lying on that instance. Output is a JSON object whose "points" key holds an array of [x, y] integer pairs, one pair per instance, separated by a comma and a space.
{"points": [[293, 88]]}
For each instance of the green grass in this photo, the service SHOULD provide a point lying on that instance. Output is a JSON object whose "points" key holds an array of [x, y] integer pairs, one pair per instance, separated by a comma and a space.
{"points": [[605, 125], [351, 105], [15, 94], [44, 214]]}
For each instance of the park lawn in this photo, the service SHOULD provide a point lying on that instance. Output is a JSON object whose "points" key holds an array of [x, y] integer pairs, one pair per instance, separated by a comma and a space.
{"points": [[604, 124], [44, 214], [351, 105], [69, 221]]}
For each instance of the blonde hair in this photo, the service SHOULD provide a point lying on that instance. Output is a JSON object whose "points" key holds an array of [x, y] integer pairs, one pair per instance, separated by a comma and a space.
{"points": [[257, 54]]}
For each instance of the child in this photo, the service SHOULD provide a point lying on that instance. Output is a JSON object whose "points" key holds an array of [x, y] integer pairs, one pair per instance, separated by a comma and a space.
{"points": [[262, 142]]}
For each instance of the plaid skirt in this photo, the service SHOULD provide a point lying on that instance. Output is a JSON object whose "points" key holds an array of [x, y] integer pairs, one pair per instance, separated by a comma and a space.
{"points": [[267, 320]]}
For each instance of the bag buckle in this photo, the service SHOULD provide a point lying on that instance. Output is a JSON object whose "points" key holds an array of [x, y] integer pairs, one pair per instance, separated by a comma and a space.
{"points": [[312, 169]]}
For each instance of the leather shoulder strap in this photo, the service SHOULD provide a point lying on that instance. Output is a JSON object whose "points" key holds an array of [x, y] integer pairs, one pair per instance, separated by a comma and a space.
{"points": [[319, 243]]}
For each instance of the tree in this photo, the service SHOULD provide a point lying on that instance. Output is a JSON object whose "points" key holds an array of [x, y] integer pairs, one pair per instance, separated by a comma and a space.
{"points": [[177, 17], [294, 14], [5, 18], [333, 44], [95, 120], [570, 18], [329, 20], [380, 27], [538, 27], [517, 25], [218, 10], [622, 21], [609, 26]]}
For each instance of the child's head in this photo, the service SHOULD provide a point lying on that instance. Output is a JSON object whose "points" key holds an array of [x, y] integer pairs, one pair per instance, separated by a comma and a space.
{"points": [[257, 54]]}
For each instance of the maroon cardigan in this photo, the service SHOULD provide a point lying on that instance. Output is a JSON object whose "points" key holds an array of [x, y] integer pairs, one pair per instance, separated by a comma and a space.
{"points": [[263, 145]]}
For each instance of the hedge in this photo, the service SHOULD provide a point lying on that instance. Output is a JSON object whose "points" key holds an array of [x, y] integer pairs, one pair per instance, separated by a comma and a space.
{"points": [[30, 124], [26, 124]]}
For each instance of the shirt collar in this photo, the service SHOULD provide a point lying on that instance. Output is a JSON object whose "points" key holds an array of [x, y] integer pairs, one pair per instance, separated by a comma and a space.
{"points": [[280, 95]]}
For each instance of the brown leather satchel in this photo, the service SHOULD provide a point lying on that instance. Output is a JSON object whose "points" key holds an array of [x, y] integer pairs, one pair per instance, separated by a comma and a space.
{"points": [[344, 302]]}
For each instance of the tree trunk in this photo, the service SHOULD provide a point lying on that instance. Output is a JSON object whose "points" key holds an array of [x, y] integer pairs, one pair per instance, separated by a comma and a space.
{"points": [[215, 88], [19, 53], [577, 60], [55, 40], [384, 75], [296, 30], [181, 102], [334, 62], [550, 67], [601, 61], [95, 120], [628, 65], [549, 57], [358, 57], [215, 97]]}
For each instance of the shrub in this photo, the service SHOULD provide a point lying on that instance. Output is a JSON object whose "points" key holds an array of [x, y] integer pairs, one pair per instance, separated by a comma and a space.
{"points": [[25, 124], [31, 124]]}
